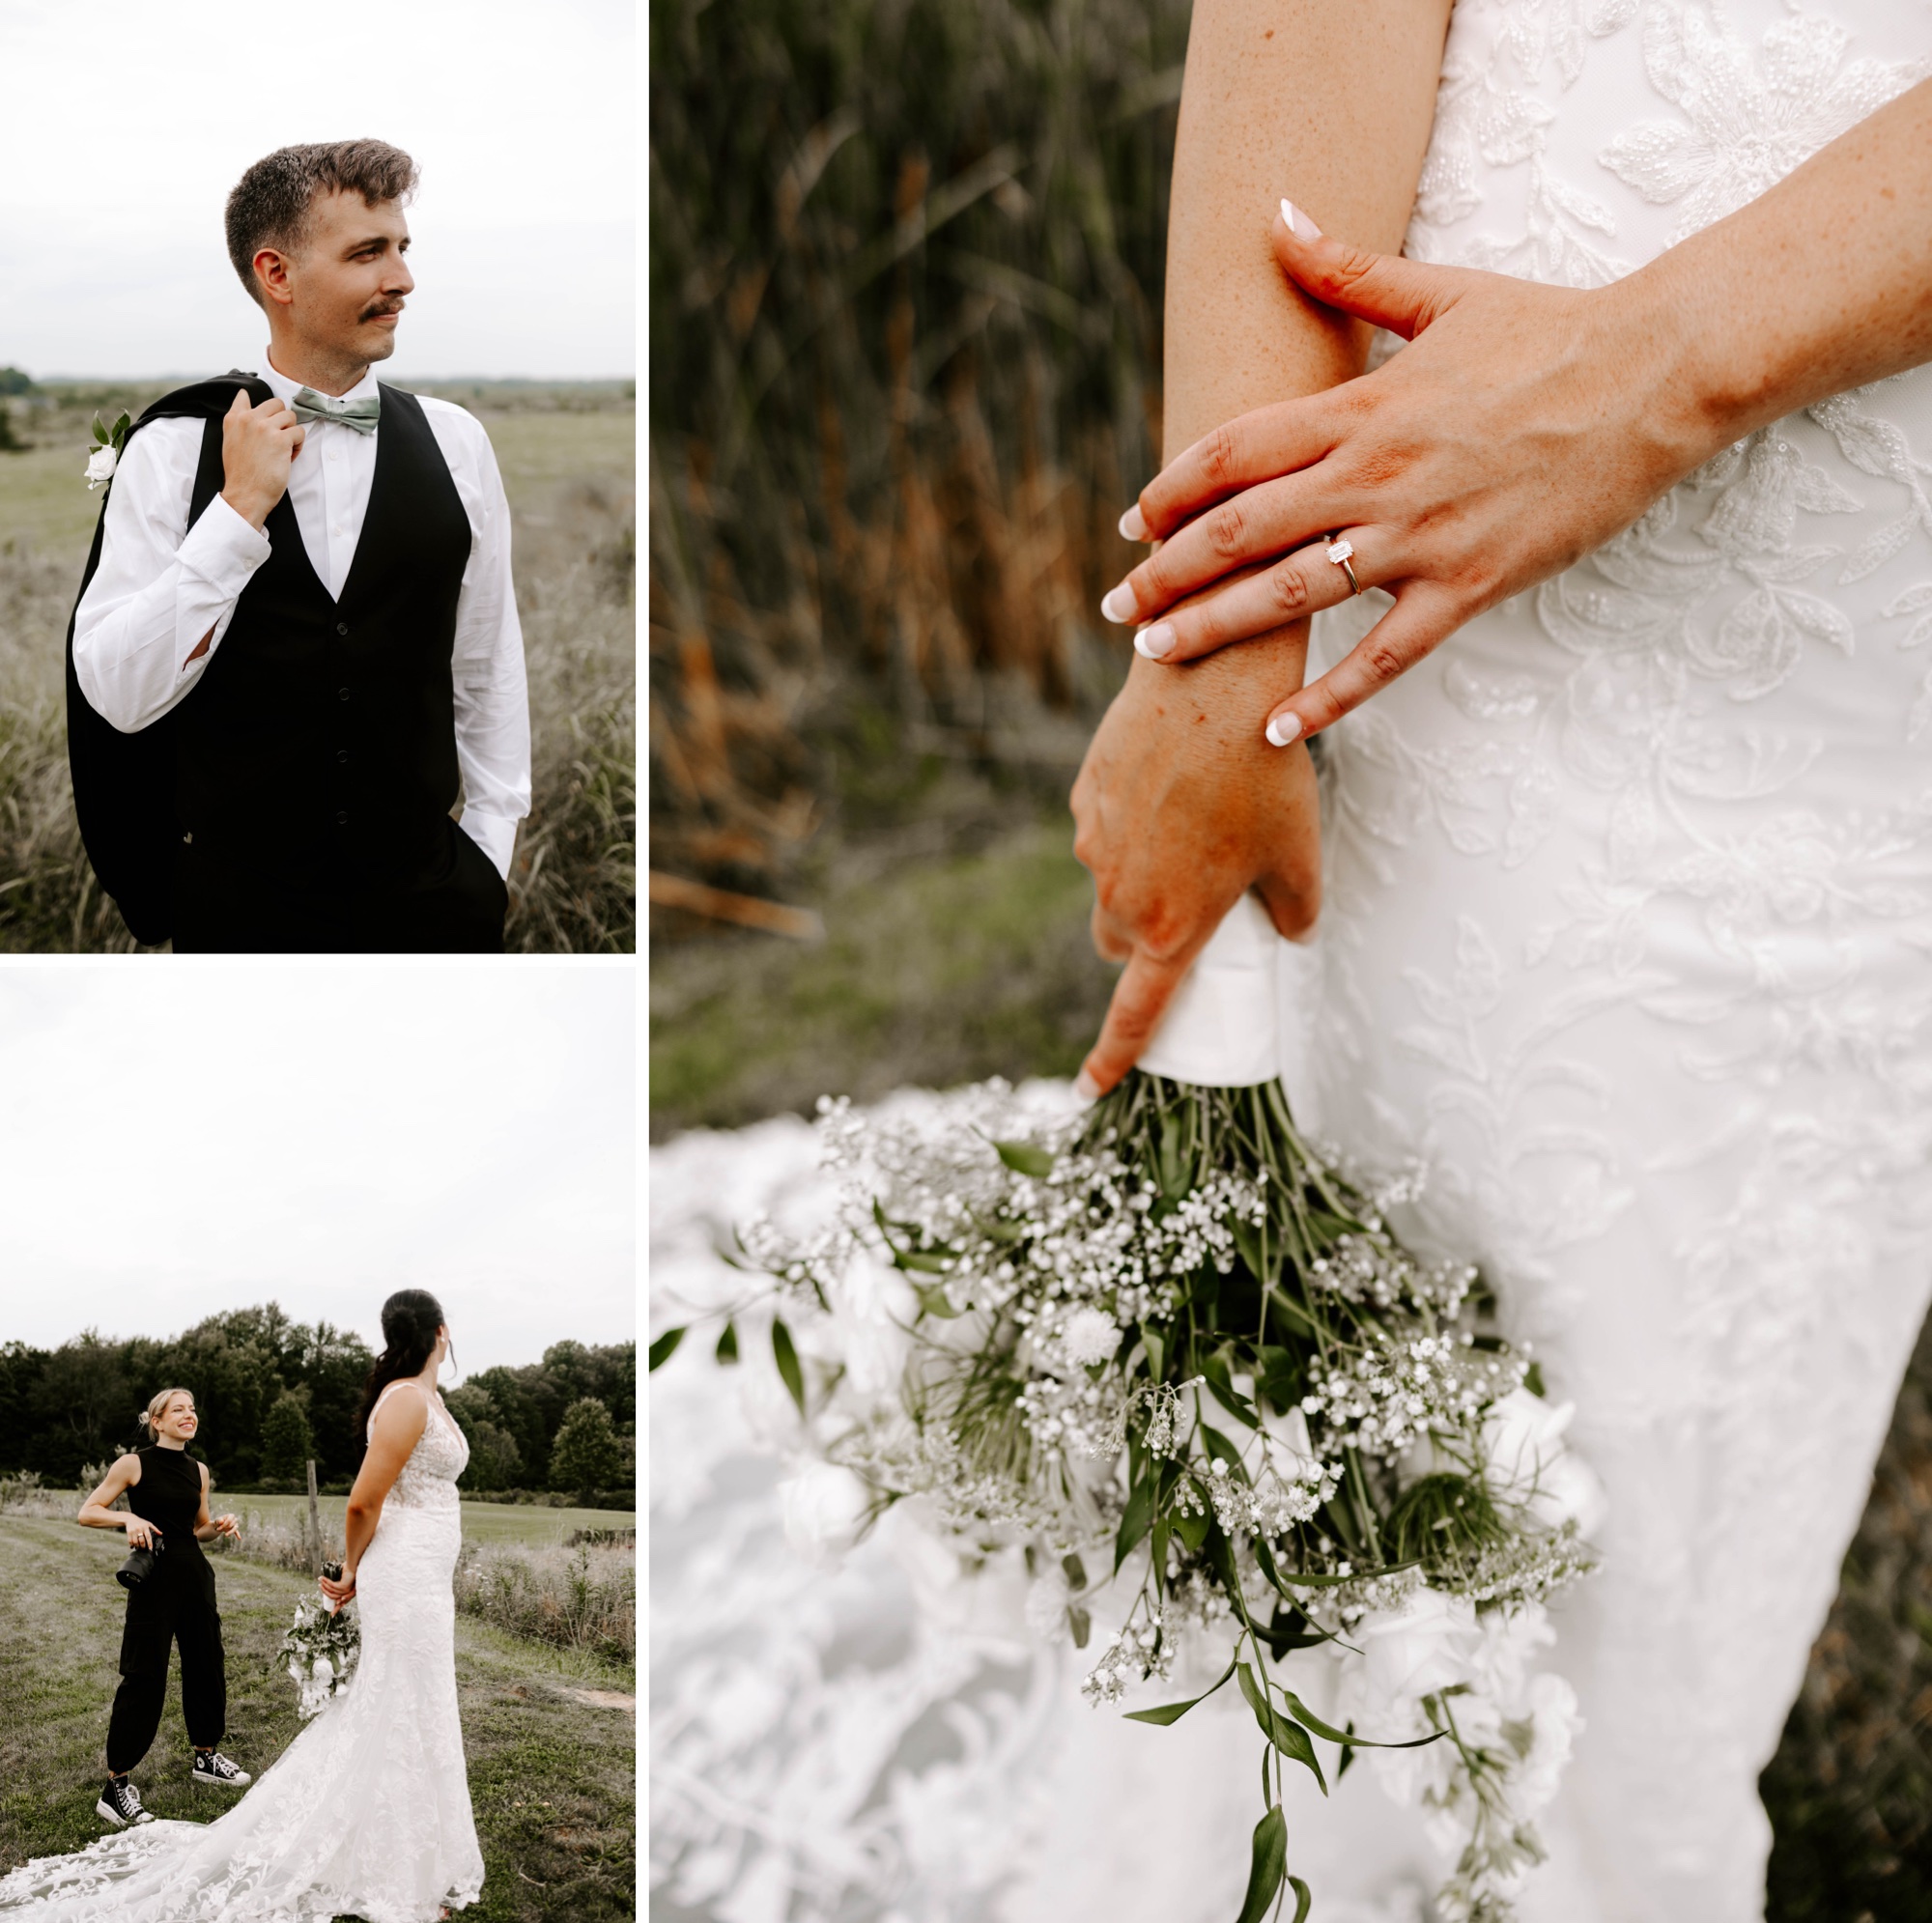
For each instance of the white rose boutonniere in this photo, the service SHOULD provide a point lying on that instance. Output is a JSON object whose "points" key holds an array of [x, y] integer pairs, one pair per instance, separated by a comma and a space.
{"points": [[104, 456]]}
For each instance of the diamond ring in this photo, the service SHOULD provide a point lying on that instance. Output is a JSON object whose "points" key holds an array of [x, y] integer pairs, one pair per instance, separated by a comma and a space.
{"points": [[1340, 552]]}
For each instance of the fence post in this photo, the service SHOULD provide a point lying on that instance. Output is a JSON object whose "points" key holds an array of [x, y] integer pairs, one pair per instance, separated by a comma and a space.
{"points": [[314, 1524]]}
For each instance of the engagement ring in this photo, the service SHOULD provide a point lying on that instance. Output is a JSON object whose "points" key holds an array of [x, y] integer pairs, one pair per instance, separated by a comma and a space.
{"points": [[1339, 552]]}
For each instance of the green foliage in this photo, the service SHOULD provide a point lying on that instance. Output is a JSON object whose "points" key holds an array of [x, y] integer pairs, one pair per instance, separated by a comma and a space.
{"points": [[585, 1455], [75, 1404], [10, 437], [286, 1442], [14, 382]]}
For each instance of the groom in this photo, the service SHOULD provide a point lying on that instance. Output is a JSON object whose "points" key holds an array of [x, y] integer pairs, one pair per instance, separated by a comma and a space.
{"points": [[297, 639]]}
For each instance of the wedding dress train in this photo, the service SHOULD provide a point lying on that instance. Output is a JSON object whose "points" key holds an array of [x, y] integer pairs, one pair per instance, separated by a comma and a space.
{"points": [[1628, 938], [366, 1813]]}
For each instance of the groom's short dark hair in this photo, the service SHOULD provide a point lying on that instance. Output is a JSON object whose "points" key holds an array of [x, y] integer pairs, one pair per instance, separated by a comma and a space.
{"points": [[269, 205]]}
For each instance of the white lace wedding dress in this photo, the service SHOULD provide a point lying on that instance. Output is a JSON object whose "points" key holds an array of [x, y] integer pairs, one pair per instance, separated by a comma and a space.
{"points": [[1628, 936], [366, 1813]]}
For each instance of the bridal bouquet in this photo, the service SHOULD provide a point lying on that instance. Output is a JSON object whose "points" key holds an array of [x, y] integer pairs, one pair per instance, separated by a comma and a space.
{"points": [[1176, 1361], [319, 1649]]}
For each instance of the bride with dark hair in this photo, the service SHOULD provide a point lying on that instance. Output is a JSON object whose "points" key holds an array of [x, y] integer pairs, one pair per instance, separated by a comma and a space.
{"points": [[367, 1812]]}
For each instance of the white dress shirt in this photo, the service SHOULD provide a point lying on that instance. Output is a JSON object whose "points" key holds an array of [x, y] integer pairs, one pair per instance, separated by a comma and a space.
{"points": [[161, 586]]}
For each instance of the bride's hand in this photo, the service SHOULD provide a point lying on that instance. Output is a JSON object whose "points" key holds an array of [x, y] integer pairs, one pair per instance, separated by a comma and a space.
{"points": [[1180, 809], [338, 1592], [1523, 427]]}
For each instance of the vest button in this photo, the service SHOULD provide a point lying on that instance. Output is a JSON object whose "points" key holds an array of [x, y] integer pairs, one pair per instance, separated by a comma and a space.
{"points": [[342, 817], [342, 694], [342, 754], [342, 627]]}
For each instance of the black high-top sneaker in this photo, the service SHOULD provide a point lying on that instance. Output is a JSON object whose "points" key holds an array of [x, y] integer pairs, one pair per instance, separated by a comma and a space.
{"points": [[212, 1770], [121, 1803]]}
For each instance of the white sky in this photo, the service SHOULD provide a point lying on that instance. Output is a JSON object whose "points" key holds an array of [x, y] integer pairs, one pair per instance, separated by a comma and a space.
{"points": [[124, 123], [178, 1141]]}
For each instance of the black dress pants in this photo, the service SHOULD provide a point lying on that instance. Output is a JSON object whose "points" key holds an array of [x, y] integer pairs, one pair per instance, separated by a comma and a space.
{"points": [[455, 907], [175, 1605]]}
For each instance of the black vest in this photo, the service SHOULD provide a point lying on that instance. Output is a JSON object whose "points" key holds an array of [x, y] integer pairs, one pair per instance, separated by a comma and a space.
{"points": [[318, 750]]}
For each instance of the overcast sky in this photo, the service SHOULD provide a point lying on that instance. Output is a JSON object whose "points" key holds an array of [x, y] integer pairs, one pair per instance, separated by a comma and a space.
{"points": [[174, 1142], [124, 124]]}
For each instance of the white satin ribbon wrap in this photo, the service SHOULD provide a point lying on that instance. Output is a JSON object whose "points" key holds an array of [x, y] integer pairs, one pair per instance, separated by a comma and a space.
{"points": [[1223, 1029]]}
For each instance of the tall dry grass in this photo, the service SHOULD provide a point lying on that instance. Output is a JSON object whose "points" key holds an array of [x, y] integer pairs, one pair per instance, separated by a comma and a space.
{"points": [[905, 290]]}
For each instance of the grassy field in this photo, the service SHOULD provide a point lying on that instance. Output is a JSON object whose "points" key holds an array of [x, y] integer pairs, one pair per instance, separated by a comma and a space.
{"points": [[552, 1768], [570, 476], [523, 1524]]}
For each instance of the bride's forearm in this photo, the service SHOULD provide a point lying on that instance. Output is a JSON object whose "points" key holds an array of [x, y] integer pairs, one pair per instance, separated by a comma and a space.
{"points": [[1329, 101], [1820, 283]]}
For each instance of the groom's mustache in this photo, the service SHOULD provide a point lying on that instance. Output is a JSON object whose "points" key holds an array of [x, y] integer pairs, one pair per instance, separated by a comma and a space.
{"points": [[370, 312]]}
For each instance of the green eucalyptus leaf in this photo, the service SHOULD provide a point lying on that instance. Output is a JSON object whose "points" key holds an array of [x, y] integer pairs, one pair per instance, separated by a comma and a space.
{"points": [[926, 1261], [785, 1355], [1303, 1897], [1080, 1625], [1156, 1349], [1286, 1736], [1172, 1712], [1222, 1388], [1265, 1561], [1347, 1737], [1025, 1159], [727, 1344], [1295, 1579], [1075, 1571], [933, 1301], [1135, 1522], [664, 1347], [1192, 1527], [1266, 1867]]}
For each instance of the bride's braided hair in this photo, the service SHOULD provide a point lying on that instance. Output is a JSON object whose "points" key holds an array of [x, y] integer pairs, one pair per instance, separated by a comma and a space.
{"points": [[411, 1318]]}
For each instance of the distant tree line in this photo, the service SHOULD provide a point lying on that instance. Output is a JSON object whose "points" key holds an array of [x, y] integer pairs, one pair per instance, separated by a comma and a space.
{"points": [[273, 1392]]}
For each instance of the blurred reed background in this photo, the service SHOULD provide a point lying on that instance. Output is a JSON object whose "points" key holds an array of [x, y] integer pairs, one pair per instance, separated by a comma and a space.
{"points": [[907, 269], [906, 265]]}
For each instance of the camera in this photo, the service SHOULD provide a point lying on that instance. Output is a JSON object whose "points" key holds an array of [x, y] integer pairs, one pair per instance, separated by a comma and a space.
{"points": [[139, 1565]]}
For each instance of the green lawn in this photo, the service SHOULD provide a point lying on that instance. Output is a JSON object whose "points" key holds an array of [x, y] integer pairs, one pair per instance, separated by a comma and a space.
{"points": [[482, 1522], [552, 1774], [944, 969]]}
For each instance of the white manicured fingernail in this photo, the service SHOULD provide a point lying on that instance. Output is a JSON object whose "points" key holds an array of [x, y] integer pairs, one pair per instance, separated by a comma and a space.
{"points": [[1086, 1088], [1133, 527], [1298, 222], [1155, 642], [1118, 605], [1283, 729]]}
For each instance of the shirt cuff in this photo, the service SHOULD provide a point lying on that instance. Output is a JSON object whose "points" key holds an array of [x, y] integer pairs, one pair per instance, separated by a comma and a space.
{"points": [[222, 548], [493, 834]]}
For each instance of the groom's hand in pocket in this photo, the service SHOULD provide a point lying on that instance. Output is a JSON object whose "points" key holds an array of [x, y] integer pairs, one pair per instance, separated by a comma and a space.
{"points": [[1180, 806]]}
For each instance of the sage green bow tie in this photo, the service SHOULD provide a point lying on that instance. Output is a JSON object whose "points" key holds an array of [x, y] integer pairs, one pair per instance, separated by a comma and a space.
{"points": [[362, 415]]}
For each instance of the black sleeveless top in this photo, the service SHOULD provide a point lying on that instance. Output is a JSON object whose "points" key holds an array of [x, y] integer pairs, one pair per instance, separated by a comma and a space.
{"points": [[168, 1494]]}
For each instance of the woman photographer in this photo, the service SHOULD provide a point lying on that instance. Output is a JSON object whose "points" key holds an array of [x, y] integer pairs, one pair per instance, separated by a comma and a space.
{"points": [[169, 1601]]}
